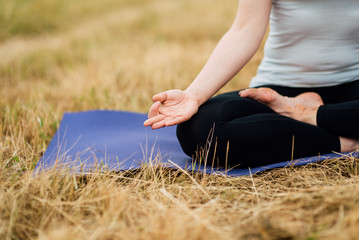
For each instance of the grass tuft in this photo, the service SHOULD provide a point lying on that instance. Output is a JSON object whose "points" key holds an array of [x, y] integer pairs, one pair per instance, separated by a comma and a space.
{"points": [[71, 55]]}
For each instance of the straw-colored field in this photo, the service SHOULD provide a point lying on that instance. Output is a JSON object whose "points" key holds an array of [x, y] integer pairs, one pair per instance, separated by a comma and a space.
{"points": [[58, 56]]}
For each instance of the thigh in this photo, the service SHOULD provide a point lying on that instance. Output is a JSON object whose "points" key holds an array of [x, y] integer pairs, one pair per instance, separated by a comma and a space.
{"points": [[334, 94], [340, 119], [228, 106], [268, 138], [338, 94], [216, 111], [347, 92], [259, 139], [223, 108]]}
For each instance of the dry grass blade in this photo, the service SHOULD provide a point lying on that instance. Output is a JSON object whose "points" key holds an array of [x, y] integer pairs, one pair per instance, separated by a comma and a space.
{"points": [[63, 56], [193, 180]]}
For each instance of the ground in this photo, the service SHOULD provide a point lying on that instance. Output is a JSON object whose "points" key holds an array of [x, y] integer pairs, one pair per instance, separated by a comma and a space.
{"points": [[59, 56]]}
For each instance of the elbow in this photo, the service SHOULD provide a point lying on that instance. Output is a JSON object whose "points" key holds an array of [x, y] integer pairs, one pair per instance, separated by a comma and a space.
{"points": [[247, 34]]}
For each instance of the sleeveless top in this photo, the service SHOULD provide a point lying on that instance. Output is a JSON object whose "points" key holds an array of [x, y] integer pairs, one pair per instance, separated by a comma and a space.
{"points": [[311, 43]]}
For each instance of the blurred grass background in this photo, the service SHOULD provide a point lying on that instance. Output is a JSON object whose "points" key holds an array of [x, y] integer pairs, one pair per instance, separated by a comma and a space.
{"points": [[58, 56], [32, 17]]}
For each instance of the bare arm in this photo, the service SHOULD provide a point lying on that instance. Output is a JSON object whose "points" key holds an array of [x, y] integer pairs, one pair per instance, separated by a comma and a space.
{"points": [[232, 52]]}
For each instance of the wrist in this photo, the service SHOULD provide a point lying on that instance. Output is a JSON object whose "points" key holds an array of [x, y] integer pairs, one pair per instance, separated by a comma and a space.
{"points": [[195, 94]]}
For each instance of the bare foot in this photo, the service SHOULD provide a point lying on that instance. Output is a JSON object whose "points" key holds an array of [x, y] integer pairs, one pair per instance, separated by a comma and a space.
{"points": [[303, 107], [348, 144]]}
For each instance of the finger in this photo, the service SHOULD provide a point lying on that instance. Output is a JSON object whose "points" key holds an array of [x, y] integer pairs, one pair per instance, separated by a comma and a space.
{"points": [[161, 97], [175, 121], [154, 109], [159, 124], [153, 120], [162, 123]]}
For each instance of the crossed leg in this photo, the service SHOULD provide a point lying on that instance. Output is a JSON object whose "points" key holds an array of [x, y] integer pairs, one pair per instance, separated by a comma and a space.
{"points": [[272, 128], [249, 133], [303, 107]]}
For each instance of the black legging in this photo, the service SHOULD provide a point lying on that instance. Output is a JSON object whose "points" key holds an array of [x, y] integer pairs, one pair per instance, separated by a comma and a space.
{"points": [[248, 133]]}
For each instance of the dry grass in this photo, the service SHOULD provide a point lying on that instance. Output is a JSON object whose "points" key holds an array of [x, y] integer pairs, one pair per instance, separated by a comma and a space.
{"points": [[116, 55]]}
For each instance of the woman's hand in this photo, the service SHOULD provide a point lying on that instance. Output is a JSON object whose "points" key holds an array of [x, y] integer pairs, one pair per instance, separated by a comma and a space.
{"points": [[232, 52], [171, 107]]}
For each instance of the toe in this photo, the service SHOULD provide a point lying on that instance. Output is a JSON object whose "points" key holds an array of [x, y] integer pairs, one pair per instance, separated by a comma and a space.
{"points": [[265, 95]]}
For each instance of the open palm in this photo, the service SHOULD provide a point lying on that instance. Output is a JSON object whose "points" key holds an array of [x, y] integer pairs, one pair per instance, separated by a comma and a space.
{"points": [[170, 108]]}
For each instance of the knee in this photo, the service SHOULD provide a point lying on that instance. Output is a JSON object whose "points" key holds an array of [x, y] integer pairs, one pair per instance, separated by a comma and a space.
{"points": [[213, 144], [192, 136], [203, 136], [197, 132]]}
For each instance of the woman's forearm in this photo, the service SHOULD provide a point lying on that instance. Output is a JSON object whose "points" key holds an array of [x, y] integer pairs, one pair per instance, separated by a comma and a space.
{"points": [[226, 60], [233, 51]]}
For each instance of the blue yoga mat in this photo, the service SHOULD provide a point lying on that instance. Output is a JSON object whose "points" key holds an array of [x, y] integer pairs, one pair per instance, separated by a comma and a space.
{"points": [[117, 140]]}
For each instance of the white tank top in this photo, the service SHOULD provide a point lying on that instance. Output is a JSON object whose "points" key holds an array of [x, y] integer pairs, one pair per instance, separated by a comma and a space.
{"points": [[311, 43]]}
